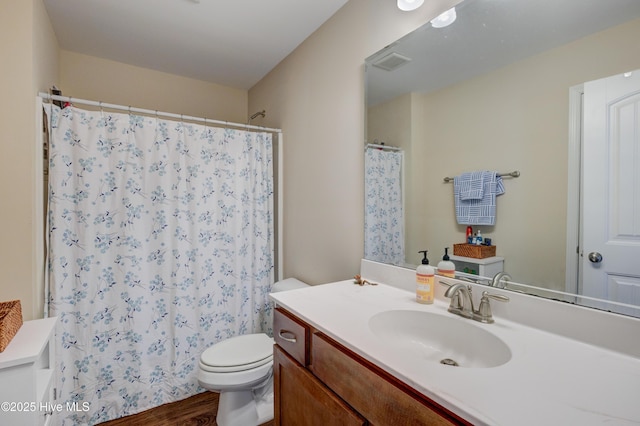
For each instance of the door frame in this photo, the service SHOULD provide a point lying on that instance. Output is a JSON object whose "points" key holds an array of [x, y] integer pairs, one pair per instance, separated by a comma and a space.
{"points": [[574, 191]]}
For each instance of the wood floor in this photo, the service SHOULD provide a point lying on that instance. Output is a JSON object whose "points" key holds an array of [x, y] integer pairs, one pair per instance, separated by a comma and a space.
{"points": [[197, 410]]}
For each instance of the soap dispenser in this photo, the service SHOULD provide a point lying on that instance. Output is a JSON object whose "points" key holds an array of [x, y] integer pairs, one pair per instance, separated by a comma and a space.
{"points": [[446, 267], [425, 280]]}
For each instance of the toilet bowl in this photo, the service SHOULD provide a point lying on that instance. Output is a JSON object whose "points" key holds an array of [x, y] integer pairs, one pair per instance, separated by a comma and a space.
{"points": [[241, 370]]}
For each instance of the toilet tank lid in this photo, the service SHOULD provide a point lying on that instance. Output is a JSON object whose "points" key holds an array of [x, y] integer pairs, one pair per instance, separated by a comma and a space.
{"points": [[288, 284]]}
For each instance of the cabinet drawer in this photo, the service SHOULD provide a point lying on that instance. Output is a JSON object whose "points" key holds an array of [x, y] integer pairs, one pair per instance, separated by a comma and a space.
{"points": [[375, 394], [291, 335]]}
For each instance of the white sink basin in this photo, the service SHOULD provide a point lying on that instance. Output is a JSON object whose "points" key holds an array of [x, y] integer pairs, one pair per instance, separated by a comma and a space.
{"points": [[439, 338]]}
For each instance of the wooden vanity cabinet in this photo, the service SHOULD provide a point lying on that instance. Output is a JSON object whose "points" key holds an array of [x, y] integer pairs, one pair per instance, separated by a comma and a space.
{"points": [[300, 398], [331, 385]]}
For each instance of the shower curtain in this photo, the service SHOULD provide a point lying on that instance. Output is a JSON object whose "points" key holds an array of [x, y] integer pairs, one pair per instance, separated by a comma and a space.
{"points": [[384, 212], [160, 245]]}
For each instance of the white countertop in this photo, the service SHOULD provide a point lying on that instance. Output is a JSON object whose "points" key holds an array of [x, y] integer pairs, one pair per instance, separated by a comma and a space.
{"points": [[550, 379]]}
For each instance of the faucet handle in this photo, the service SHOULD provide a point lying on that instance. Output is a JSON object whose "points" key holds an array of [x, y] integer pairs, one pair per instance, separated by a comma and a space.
{"points": [[484, 310], [497, 297]]}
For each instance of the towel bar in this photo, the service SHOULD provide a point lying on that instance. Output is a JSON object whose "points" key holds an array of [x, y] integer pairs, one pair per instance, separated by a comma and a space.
{"points": [[513, 174]]}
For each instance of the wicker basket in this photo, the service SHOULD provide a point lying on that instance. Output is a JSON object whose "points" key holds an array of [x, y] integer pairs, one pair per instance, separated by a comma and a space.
{"points": [[474, 251], [10, 321]]}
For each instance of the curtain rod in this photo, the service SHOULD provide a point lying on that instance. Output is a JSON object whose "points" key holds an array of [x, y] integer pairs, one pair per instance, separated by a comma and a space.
{"points": [[373, 145], [130, 109], [513, 174]]}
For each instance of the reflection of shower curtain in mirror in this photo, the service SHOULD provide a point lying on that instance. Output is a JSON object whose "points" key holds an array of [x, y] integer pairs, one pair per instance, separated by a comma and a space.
{"points": [[161, 244], [384, 212]]}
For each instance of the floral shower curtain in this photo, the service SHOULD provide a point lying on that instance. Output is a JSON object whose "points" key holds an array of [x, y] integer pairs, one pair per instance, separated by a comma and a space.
{"points": [[384, 214], [160, 245]]}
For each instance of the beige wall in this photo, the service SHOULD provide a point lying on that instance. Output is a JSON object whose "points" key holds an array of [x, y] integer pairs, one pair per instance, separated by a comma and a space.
{"points": [[28, 52], [316, 95], [16, 127], [92, 78], [515, 118]]}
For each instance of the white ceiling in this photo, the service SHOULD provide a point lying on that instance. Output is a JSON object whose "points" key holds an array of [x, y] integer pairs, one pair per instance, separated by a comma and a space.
{"points": [[487, 35], [229, 42]]}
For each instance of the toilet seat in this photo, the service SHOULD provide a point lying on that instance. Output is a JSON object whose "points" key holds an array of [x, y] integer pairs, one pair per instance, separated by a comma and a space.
{"points": [[238, 353]]}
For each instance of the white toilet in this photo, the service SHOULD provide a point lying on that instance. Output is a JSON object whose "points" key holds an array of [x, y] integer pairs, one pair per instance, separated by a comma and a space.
{"points": [[241, 369]]}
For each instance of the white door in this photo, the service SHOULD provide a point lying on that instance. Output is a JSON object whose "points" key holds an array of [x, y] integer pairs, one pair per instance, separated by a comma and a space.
{"points": [[610, 261]]}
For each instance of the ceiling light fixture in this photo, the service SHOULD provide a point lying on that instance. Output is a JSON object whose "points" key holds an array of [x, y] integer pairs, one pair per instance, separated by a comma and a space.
{"points": [[407, 5], [444, 19]]}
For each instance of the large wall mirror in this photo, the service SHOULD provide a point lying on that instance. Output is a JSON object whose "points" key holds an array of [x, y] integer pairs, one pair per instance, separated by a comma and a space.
{"points": [[501, 89]]}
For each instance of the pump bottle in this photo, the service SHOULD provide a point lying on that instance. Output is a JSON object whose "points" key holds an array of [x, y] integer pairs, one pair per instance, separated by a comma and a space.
{"points": [[425, 280], [446, 267]]}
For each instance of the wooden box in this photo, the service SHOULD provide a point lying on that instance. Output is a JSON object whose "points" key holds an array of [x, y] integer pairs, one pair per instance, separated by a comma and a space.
{"points": [[10, 321], [474, 251]]}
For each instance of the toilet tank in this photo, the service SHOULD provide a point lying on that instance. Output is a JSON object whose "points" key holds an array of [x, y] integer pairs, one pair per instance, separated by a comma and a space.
{"points": [[288, 284], [283, 285]]}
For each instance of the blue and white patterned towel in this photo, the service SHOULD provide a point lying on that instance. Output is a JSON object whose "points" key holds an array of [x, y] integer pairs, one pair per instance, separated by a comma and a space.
{"points": [[471, 185], [477, 211]]}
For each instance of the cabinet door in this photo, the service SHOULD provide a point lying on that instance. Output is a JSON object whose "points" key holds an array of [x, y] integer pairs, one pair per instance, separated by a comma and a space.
{"points": [[302, 400], [378, 396]]}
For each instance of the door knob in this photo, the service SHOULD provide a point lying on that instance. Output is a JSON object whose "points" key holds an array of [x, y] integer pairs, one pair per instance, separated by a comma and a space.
{"points": [[595, 257]]}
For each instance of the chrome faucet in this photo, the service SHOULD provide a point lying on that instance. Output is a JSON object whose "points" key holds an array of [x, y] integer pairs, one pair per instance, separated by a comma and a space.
{"points": [[498, 279], [462, 302]]}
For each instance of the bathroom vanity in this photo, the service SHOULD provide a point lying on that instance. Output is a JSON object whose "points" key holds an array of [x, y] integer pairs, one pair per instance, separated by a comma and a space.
{"points": [[319, 381], [342, 356]]}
